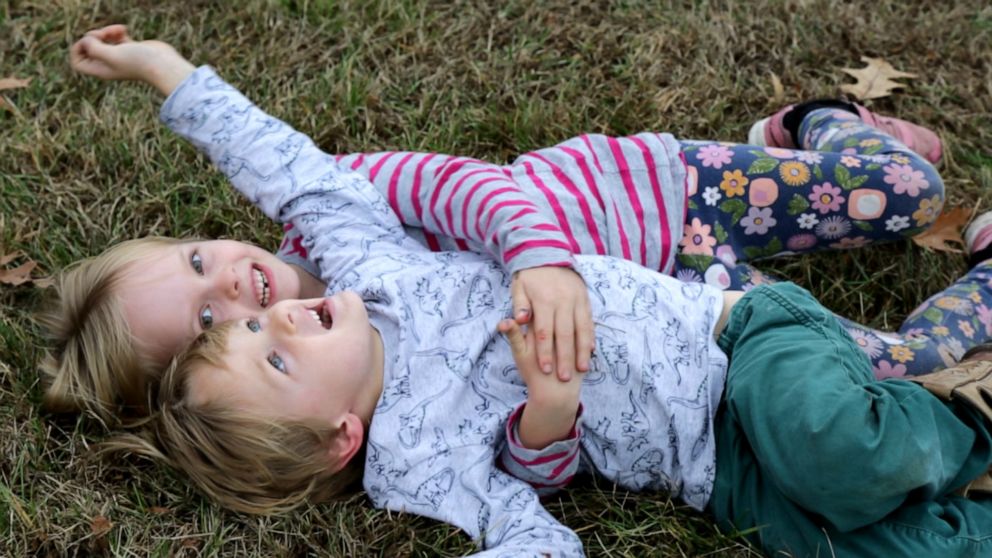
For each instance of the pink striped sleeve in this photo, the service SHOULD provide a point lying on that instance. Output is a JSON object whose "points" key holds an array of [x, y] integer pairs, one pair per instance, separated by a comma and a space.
{"points": [[546, 469], [666, 240], [635, 203]]}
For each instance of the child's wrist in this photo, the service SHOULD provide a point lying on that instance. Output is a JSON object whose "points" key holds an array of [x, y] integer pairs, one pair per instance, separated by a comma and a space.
{"points": [[166, 73], [543, 424]]}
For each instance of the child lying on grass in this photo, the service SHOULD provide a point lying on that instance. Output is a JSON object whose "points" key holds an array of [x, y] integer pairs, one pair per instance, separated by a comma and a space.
{"points": [[421, 397], [124, 314]]}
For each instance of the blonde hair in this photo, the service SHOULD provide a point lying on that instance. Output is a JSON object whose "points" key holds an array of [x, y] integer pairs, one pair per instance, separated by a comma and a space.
{"points": [[243, 462], [95, 365]]}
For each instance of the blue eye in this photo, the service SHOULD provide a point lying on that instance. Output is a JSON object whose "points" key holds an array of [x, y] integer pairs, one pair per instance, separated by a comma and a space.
{"points": [[253, 325], [206, 318], [197, 262], [277, 362]]}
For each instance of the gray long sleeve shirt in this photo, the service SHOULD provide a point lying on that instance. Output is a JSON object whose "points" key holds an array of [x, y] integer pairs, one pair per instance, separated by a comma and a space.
{"points": [[449, 381]]}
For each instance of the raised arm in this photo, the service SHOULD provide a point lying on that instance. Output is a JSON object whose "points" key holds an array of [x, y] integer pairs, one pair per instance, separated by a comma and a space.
{"points": [[457, 203]]}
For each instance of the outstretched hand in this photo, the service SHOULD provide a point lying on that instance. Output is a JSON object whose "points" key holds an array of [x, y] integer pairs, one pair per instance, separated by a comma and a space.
{"points": [[110, 53], [554, 302]]}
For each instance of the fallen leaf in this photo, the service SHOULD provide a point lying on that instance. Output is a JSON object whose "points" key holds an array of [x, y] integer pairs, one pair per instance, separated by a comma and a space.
{"points": [[7, 258], [874, 80], [945, 231], [18, 275], [159, 510], [778, 92], [100, 525], [13, 83]]}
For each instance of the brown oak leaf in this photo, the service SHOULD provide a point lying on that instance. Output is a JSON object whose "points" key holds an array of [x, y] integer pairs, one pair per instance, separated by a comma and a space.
{"points": [[945, 231], [874, 80]]}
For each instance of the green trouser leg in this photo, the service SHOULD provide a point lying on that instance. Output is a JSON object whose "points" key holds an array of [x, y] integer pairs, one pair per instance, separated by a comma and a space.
{"points": [[822, 458]]}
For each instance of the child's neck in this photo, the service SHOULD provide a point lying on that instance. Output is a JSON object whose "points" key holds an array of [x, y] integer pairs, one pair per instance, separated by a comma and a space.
{"points": [[310, 286], [369, 398]]}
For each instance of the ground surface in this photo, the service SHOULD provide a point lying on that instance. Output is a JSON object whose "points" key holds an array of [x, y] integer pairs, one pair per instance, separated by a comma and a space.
{"points": [[84, 164]]}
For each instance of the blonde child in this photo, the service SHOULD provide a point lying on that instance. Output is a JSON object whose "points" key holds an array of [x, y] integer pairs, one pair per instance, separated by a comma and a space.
{"points": [[125, 313]]}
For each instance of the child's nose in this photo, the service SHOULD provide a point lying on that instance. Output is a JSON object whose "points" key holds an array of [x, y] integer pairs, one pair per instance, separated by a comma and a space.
{"points": [[228, 284]]}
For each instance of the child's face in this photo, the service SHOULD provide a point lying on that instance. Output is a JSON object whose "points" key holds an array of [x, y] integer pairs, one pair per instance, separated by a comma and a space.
{"points": [[186, 288], [316, 359]]}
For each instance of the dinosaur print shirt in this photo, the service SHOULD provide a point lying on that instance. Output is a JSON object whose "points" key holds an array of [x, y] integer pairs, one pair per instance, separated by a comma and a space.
{"points": [[449, 382]]}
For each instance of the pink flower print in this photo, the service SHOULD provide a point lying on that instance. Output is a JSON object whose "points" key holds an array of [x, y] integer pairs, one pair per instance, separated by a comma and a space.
{"points": [[717, 276], [800, 242], [915, 332], [905, 179], [871, 345], [850, 162], [780, 153], [985, 318], [826, 198], [886, 370], [846, 243], [714, 156], [697, 239], [758, 220], [726, 254]]}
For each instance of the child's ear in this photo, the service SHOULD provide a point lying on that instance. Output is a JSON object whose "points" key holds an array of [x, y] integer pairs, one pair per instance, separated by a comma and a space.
{"points": [[346, 443]]}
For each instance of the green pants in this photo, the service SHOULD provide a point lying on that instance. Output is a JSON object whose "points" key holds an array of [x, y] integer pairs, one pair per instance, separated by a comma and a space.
{"points": [[822, 459]]}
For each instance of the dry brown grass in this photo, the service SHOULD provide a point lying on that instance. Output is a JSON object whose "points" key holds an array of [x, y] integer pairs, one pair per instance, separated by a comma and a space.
{"points": [[84, 164]]}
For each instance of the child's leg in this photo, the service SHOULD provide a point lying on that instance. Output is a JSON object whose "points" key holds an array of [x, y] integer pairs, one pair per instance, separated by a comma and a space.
{"points": [[808, 441], [854, 186], [937, 333]]}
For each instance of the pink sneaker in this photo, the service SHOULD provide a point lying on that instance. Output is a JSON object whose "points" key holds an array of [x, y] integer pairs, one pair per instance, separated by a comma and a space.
{"points": [[916, 137], [772, 132]]}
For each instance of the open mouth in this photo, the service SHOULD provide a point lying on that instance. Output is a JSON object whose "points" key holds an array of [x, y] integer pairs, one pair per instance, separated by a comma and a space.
{"points": [[321, 315], [262, 291]]}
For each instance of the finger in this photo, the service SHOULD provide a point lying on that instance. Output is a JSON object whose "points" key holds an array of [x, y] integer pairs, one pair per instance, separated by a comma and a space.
{"points": [[543, 329], [585, 336], [565, 344], [521, 304], [515, 335], [113, 34]]}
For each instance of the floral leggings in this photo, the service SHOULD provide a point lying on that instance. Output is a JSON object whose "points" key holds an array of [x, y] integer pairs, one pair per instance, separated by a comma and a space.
{"points": [[854, 186]]}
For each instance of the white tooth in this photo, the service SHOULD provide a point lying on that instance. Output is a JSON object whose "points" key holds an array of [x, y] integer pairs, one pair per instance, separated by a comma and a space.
{"points": [[315, 316]]}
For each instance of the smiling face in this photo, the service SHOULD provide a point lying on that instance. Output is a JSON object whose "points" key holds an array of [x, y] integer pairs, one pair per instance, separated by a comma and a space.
{"points": [[188, 287], [317, 359]]}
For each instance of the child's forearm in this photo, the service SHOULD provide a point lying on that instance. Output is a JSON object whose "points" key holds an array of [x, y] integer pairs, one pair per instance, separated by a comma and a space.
{"points": [[542, 424], [166, 73]]}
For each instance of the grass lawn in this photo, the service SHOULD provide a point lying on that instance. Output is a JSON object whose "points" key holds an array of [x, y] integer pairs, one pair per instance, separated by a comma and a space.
{"points": [[84, 164]]}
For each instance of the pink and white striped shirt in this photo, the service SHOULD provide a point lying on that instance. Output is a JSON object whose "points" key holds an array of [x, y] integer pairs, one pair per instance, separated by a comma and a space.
{"points": [[593, 194]]}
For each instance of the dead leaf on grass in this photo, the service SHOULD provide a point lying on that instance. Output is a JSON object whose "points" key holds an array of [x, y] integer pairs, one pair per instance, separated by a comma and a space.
{"points": [[159, 510], [778, 92], [874, 80], [945, 231], [100, 525], [22, 273], [13, 83], [6, 259]]}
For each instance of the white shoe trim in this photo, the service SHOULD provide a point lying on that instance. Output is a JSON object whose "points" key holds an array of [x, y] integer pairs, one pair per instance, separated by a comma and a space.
{"points": [[756, 136], [977, 226]]}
